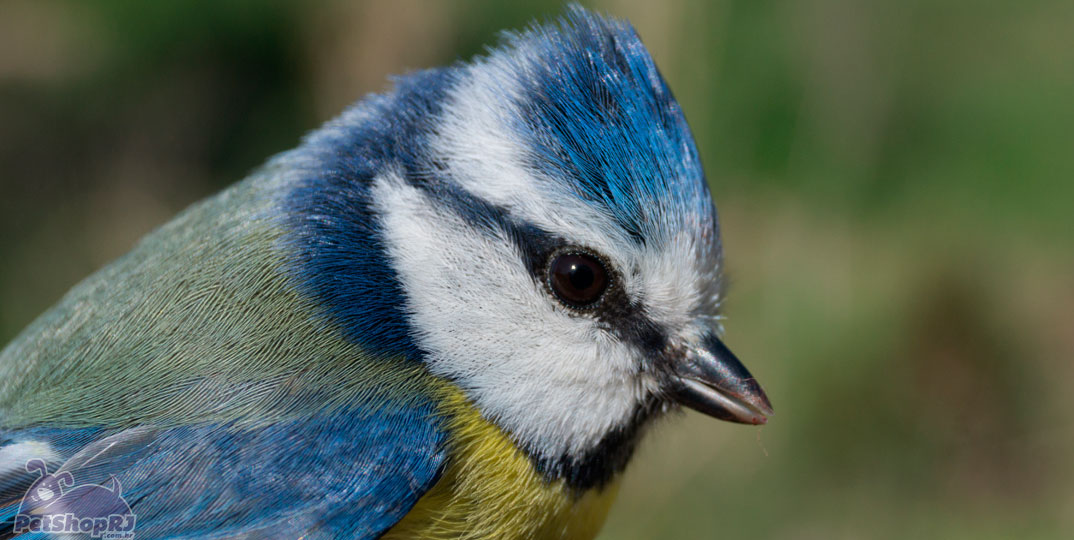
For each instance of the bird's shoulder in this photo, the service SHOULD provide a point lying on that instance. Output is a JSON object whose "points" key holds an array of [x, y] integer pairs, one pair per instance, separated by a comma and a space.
{"points": [[216, 392]]}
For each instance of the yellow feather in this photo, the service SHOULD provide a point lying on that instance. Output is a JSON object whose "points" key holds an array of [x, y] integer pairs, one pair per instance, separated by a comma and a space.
{"points": [[490, 489]]}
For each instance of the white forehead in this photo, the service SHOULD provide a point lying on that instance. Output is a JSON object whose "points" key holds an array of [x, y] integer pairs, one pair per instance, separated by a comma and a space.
{"points": [[556, 380]]}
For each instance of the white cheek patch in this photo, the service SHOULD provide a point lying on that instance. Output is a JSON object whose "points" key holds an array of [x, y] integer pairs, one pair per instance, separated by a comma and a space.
{"points": [[554, 380]]}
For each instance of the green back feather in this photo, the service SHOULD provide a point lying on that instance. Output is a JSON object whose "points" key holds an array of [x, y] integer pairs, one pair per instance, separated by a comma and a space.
{"points": [[198, 322]]}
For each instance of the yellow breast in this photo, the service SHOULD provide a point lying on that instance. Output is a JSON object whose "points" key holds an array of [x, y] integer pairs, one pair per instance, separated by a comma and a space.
{"points": [[490, 489]]}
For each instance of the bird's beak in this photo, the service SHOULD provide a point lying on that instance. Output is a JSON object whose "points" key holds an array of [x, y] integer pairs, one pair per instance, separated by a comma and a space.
{"points": [[711, 380]]}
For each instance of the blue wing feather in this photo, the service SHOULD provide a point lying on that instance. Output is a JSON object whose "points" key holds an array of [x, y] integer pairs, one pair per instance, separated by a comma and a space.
{"points": [[350, 474]]}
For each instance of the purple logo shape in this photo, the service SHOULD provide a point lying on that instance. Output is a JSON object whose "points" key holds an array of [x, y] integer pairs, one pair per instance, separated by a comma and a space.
{"points": [[52, 505]]}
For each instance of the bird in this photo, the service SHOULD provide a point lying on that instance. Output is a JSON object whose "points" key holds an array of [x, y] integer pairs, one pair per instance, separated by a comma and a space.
{"points": [[453, 311]]}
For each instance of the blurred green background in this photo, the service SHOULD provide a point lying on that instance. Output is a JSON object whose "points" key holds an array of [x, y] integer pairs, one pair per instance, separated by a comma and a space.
{"points": [[894, 180]]}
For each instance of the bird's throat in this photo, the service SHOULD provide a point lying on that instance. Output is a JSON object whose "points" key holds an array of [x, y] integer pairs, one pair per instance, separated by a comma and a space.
{"points": [[492, 489]]}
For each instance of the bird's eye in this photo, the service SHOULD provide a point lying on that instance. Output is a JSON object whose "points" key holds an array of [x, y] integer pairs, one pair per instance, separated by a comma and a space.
{"points": [[577, 279]]}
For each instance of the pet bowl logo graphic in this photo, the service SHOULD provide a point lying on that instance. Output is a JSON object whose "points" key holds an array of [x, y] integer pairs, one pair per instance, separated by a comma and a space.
{"points": [[51, 505]]}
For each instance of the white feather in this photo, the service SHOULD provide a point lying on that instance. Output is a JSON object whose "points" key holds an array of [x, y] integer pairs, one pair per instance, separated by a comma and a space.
{"points": [[13, 457]]}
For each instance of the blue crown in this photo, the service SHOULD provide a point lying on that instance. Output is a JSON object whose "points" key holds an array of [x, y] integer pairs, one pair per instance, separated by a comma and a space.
{"points": [[600, 117]]}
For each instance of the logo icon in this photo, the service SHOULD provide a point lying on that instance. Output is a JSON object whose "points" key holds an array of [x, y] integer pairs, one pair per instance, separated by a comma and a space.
{"points": [[52, 505]]}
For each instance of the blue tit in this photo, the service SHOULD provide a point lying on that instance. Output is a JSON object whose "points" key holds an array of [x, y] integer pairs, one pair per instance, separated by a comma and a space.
{"points": [[451, 312]]}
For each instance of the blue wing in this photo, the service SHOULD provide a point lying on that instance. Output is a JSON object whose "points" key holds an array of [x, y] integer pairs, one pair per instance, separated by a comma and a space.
{"points": [[350, 474]]}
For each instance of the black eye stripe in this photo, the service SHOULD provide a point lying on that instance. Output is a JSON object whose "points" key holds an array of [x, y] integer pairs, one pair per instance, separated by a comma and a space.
{"points": [[624, 317], [533, 242]]}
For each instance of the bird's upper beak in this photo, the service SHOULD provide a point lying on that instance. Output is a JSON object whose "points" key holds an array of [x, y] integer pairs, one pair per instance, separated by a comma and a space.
{"points": [[711, 380]]}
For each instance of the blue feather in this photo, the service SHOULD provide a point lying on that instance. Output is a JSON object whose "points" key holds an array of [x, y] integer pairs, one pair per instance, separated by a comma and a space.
{"points": [[348, 474], [341, 255], [601, 118]]}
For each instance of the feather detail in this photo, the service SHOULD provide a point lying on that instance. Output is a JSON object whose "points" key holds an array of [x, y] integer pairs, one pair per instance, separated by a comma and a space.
{"points": [[491, 490]]}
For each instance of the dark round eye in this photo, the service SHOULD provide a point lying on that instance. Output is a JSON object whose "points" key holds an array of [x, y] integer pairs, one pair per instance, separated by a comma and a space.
{"points": [[578, 279]]}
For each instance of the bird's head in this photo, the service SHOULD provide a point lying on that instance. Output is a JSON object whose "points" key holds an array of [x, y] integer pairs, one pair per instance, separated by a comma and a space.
{"points": [[546, 238]]}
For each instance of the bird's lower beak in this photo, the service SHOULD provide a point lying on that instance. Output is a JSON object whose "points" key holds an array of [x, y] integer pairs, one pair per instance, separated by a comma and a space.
{"points": [[711, 380]]}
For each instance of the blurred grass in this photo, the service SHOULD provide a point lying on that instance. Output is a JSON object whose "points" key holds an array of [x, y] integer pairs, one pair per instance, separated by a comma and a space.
{"points": [[894, 181]]}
